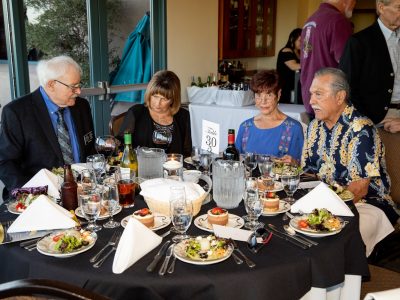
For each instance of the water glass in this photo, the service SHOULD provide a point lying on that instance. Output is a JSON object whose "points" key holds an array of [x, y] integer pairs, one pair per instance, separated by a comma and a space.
{"points": [[110, 200], [251, 183], [290, 181], [173, 166], [249, 160], [90, 203], [254, 208], [228, 183], [195, 156], [88, 180], [266, 166], [150, 161], [181, 212], [205, 161], [97, 162]]}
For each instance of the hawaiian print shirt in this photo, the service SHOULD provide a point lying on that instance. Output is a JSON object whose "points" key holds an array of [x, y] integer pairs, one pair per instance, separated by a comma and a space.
{"points": [[350, 151]]}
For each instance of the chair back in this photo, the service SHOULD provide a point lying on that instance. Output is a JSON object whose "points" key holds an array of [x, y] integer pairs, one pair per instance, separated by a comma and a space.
{"points": [[115, 123], [392, 146], [46, 289]]}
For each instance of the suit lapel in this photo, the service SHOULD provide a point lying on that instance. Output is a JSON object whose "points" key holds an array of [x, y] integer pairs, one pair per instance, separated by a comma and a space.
{"points": [[43, 119]]}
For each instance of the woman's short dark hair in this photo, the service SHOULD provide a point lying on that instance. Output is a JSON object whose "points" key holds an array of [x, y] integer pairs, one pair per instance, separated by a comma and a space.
{"points": [[265, 81], [167, 84]]}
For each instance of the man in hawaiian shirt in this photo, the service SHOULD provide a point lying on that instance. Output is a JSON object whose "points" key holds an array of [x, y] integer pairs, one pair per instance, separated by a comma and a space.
{"points": [[342, 146]]}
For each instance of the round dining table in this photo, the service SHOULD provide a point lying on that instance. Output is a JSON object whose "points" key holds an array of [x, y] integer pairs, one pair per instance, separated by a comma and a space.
{"points": [[282, 271]]}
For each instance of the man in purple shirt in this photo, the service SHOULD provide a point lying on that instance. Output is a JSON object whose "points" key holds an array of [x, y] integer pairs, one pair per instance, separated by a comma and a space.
{"points": [[322, 41]]}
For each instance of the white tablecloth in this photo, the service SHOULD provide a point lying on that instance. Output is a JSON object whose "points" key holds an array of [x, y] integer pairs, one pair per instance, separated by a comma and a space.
{"points": [[231, 117]]}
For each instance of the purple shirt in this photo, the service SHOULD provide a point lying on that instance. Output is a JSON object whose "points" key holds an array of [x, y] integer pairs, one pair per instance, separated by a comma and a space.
{"points": [[322, 42]]}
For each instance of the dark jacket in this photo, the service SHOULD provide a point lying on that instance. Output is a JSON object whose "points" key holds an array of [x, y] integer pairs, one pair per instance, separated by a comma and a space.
{"points": [[139, 122], [366, 62], [29, 143]]}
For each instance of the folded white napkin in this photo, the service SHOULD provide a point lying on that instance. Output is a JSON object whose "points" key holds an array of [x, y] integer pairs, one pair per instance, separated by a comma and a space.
{"points": [[393, 294], [45, 177], [136, 241], [236, 234], [322, 197], [374, 225], [159, 189], [42, 214], [309, 184]]}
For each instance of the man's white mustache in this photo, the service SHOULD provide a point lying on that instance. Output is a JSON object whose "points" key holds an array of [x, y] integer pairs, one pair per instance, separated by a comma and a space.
{"points": [[315, 107]]}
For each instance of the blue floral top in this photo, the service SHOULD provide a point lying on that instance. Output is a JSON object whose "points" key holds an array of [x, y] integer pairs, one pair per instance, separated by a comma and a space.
{"points": [[350, 151], [286, 138]]}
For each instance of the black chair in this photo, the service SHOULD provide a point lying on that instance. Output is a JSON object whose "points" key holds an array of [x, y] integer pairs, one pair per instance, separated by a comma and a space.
{"points": [[46, 289]]}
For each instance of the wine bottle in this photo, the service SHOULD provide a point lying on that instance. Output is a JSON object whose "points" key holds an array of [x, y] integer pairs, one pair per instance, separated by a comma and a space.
{"points": [[231, 153], [193, 83], [69, 190], [129, 160]]}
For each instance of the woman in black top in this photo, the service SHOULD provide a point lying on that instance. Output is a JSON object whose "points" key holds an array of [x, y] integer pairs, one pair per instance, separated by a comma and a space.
{"points": [[288, 63]]}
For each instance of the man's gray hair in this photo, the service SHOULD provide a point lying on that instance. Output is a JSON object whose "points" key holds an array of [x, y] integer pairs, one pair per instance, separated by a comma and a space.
{"points": [[339, 82], [55, 68], [384, 2]]}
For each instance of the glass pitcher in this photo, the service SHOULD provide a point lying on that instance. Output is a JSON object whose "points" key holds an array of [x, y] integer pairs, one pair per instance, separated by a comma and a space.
{"points": [[150, 162], [228, 183]]}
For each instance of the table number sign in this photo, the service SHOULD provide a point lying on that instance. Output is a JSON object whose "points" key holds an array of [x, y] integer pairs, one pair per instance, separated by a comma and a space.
{"points": [[210, 134]]}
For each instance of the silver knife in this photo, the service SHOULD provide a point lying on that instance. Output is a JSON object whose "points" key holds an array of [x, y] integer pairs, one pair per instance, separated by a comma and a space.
{"points": [[282, 236], [164, 266], [273, 227], [158, 256]]}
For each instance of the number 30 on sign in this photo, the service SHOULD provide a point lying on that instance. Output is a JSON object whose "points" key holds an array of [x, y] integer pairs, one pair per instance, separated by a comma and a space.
{"points": [[210, 136]]}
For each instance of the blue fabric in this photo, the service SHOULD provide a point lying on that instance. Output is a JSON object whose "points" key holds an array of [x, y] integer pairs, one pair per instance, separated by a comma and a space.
{"points": [[135, 66], [287, 138], [52, 108]]}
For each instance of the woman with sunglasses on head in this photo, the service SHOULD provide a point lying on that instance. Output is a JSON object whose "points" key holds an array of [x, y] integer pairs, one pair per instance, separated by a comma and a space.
{"points": [[271, 132], [160, 122]]}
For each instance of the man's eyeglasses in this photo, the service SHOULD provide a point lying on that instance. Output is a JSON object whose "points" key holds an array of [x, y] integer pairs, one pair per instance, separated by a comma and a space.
{"points": [[73, 88]]}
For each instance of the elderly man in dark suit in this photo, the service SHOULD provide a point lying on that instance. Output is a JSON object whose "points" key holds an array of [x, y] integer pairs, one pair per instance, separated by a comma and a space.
{"points": [[371, 61], [47, 128]]}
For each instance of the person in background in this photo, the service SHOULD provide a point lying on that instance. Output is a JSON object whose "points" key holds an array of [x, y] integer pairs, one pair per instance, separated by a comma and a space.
{"points": [[344, 148], [287, 64], [270, 132], [322, 41], [375, 83], [160, 122], [48, 128]]}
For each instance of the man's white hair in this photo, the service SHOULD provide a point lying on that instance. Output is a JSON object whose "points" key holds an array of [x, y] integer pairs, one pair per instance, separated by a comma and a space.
{"points": [[55, 68]]}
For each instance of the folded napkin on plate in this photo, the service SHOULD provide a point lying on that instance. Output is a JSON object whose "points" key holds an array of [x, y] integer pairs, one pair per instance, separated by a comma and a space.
{"points": [[159, 189], [42, 214], [393, 294], [233, 233], [136, 241], [45, 177], [322, 197]]}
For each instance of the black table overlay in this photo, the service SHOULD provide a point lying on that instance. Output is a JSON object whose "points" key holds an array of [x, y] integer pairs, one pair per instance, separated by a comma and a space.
{"points": [[283, 270]]}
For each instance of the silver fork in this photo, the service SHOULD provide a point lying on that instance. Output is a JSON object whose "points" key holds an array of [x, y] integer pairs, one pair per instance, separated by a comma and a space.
{"points": [[111, 242], [100, 262], [249, 262]]}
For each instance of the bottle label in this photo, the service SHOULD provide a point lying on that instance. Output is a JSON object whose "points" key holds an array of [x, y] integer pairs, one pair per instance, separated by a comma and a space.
{"points": [[125, 173]]}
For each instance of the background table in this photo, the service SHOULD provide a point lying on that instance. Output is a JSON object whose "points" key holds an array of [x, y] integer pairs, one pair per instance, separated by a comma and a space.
{"points": [[231, 117], [283, 270]]}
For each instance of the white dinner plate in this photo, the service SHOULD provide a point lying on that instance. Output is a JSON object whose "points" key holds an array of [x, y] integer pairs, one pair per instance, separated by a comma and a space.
{"points": [[313, 233], [283, 207], [160, 221], [78, 212], [188, 160], [43, 246], [234, 221], [346, 196], [179, 251]]}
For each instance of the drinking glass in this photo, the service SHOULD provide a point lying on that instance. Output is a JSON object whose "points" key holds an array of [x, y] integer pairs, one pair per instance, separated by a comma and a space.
{"points": [[162, 137], [90, 203], [290, 180], [97, 162], [110, 199], [254, 208], [106, 145], [126, 184], [249, 160], [205, 161], [251, 183], [195, 156], [88, 179], [173, 166], [181, 212]]}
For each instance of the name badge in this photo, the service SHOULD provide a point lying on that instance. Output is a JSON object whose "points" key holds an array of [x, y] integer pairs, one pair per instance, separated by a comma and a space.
{"points": [[88, 137]]}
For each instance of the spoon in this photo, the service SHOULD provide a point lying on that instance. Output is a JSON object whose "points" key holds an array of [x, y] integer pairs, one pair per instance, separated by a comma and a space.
{"points": [[292, 232]]}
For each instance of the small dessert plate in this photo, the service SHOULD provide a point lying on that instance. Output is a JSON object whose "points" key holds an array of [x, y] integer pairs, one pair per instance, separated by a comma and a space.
{"points": [[160, 221], [283, 207], [234, 221]]}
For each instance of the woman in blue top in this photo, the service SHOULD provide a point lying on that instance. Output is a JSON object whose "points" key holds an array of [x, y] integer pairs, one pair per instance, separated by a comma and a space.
{"points": [[270, 132]]}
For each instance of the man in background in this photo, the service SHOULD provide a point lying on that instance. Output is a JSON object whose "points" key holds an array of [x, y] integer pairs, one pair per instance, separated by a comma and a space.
{"points": [[371, 60], [47, 128], [322, 41]]}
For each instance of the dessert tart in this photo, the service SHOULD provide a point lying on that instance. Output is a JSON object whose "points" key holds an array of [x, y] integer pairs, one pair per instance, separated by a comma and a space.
{"points": [[270, 201], [217, 216], [145, 216]]}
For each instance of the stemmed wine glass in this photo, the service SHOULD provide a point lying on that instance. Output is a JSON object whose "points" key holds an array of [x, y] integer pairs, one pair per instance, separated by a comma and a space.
{"points": [[254, 208], [110, 198], [195, 156], [181, 212], [90, 203], [290, 180], [250, 161], [88, 179], [205, 161], [106, 145], [97, 162]]}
